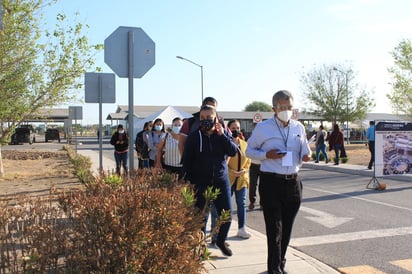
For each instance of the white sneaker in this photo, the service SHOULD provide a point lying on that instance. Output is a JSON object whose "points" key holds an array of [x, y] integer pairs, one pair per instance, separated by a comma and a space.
{"points": [[242, 233]]}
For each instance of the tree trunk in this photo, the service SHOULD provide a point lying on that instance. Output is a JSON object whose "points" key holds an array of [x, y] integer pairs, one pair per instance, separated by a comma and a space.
{"points": [[1, 164]]}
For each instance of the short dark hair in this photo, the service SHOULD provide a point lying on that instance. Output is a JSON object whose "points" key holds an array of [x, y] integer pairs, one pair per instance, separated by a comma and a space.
{"points": [[119, 126], [232, 121], [208, 107], [209, 100], [176, 119], [371, 123]]}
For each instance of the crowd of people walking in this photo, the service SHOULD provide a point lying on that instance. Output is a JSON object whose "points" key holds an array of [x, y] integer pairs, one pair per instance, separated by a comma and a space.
{"points": [[205, 152]]}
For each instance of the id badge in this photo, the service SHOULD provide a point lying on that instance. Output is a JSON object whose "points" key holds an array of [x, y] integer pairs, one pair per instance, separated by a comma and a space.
{"points": [[287, 160]]}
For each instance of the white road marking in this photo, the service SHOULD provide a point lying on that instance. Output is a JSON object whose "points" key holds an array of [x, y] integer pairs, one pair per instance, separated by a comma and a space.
{"points": [[350, 236], [323, 218], [359, 198]]}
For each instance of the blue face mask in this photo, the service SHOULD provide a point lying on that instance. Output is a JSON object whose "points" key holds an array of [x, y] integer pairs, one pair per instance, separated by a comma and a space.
{"points": [[158, 127], [176, 129]]}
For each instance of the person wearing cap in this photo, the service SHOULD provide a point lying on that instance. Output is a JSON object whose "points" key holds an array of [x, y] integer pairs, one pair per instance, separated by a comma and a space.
{"points": [[120, 141], [281, 145]]}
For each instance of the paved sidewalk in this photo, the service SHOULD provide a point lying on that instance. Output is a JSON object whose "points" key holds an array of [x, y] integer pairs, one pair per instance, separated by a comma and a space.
{"points": [[249, 256]]}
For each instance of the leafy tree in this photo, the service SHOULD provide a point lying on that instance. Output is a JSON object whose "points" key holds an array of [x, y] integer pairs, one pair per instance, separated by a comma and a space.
{"points": [[332, 93], [258, 106], [401, 96], [39, 68]]}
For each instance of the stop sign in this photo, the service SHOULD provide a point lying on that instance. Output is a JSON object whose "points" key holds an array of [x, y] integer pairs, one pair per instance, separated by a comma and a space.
{"points": [[142, 50]]}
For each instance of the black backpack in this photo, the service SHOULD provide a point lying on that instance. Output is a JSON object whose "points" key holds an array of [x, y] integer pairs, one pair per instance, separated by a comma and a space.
{"points": [[140, 145]]}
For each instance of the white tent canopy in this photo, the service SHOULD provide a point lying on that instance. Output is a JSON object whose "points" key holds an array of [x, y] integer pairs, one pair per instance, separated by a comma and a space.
{"points": [[167, 115]]}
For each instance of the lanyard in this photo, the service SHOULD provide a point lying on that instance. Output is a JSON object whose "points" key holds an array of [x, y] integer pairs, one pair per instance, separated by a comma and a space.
{"points": [[285, 137]]}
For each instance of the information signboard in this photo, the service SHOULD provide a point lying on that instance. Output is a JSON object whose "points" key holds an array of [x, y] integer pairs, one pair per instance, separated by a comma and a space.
{"points": [[393, 148]]}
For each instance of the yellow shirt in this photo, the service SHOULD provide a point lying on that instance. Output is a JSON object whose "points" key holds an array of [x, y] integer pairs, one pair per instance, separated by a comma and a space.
{"points": [[243, 180]]}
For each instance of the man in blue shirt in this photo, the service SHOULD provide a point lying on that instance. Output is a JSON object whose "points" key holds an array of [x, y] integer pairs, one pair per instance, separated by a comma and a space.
{"points": [[370, 134], [281, 145]]}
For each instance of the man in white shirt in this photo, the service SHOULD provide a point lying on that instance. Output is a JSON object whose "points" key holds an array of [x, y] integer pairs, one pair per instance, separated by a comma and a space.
{"points": [[281, 145]]}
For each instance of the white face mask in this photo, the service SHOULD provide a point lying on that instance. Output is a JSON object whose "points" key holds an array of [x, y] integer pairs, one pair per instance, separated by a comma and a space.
{"points": [[121, 131], [285, 115]]}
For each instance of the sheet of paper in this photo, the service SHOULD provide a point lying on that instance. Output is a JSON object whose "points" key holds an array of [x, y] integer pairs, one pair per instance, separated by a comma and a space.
{"points": [[287, 159], [312, 139]]}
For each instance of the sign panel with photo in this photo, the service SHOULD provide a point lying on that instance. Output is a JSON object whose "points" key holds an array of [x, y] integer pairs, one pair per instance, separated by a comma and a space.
{"points": [[393, 148]]}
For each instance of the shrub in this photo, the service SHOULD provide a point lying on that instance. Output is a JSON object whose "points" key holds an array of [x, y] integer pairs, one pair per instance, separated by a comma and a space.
{"points": [[113, 180], [82, 165], [342, 159], [146, 224], [321, 156]]}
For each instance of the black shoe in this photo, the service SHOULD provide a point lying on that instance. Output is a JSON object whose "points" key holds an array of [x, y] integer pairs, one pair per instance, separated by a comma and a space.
{"points": [[224, 248], [316, 162], [369, 167], [251, 206]]}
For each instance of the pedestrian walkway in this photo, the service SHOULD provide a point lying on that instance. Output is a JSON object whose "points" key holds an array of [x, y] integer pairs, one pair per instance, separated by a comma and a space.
{"points": [[249, 255], [108, 163]]}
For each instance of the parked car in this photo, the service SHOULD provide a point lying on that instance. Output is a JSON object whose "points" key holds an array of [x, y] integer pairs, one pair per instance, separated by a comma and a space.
{"points": [[23, 134], [52, 134]]}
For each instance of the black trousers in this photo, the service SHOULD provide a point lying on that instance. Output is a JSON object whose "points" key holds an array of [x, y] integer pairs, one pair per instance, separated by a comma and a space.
{"points": [[281, 200], [371, 145], [253, 181]]}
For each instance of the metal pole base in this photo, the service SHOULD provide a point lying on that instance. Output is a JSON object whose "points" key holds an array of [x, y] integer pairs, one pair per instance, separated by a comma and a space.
{"points": [[375, 184]]}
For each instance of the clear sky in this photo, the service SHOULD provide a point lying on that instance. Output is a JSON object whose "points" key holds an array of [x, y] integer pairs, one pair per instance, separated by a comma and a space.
{"points": [[249, 49]]}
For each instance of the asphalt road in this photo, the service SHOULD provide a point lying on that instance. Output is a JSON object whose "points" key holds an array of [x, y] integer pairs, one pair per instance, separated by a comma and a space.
{"points": [[343, 224], [340, 223]]}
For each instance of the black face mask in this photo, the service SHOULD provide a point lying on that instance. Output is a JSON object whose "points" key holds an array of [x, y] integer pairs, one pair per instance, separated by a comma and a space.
{"points": [[206, 125], [235, 133]]}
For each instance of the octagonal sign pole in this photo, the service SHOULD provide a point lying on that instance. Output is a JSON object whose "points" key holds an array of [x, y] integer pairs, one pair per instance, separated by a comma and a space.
{"points": [[129, 52]]}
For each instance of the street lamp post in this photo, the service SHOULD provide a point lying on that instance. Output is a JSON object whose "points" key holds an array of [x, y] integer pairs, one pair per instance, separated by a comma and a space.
{"points": [[201, 72], [347, 103]]}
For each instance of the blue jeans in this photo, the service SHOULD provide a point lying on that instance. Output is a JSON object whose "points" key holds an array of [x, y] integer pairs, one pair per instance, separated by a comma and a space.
{"points": [[121, 160], [214, 216], [337, 151], [321, 148], [240, 196], [222, 202]]}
